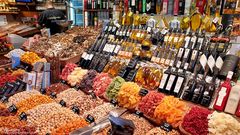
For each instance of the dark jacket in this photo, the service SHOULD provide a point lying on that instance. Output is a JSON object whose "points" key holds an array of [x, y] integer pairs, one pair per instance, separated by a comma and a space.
{"points": [[48, 17]]}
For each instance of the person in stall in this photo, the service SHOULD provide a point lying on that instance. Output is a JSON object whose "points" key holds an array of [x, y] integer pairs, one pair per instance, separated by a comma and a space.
{"points": [[53, 19]]}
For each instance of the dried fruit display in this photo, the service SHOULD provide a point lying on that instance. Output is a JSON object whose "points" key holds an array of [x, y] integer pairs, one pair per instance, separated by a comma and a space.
{"points": [[56, 88], [128, 96], [223, 124], [16, 98], [84, 103], [8, 77], [114, 87], [30, 58], [67, 70], [76, 76], [69, 95], [149, 103], [30, 130], [69, 127], [159, 131], [18, 72], [101, 82], [31, 102], [195, 121], [87, 82], [171, 110], [100, 111], [142, 126]]}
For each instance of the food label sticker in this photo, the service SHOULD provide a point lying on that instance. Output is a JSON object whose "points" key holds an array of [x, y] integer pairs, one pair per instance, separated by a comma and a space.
{"points": [[166, 127], [23, 116], [167, 61], [180, 52], [143, 92], [186, 42], [162, 61], [211, 62], [170, 82], [186, 53], [194, 55], [75, 109], [219, 62], [63, 103], [4, 99], [139, 113], [203, 61], [163, 81], [84, 55], [12, 109], [178, 84], [90, 119], [221, 96]]}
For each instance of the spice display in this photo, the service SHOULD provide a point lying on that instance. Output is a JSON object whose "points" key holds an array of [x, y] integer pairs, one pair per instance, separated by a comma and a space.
{"points": [[84, 103], [8, 77], [16, 98], [171, 110], [100, 111], [68, 95], [56, 88], [19, 130], [223, 124], [149, 77], [11, 122], [18, 52], [76, 76], [101, 82], [30, 58], [87, 81], [128, 95], [31, 102], [149, 103], [67, 70], [114, 87], [195, 121], [18, 72], [142, 126], [69, 127], [159, 131]]}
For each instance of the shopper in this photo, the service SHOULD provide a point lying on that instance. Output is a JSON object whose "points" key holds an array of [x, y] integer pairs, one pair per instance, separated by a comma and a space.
{"points": [[50, 18]]}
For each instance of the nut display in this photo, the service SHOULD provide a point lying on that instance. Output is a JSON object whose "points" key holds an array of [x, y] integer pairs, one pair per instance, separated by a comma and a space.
{"points": [[149, 103], [30, 58], [128, 96], [195, 121], [84, 103], [56, 88], [31, 102], [114, 87], [171, 110], [142, 126], [76, 76], [69, 127], [69, 95], [223, 124], [159, 131], [101, 82], [100, 111], [11, 122], [87, 82], [21, 96]]}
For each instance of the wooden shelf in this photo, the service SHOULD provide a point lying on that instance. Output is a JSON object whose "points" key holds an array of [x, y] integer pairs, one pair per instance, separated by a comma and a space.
{"points": [[9, 12], [97, 10]]}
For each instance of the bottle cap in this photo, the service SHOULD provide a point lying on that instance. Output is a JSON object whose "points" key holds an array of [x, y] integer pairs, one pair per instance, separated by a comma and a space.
{"points": [[230, 74]]}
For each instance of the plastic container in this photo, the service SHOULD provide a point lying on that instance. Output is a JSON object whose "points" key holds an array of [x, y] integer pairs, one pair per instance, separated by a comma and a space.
{"points": [[16, 40]]}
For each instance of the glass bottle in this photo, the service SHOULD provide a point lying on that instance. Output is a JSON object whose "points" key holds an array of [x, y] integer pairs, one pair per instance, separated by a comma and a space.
{"points": [[196, 20]]}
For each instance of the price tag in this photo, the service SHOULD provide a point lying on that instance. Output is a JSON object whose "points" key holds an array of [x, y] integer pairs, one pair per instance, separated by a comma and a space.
{"points": [[53, 95], [166, 127], [12, 109], [75, 109], [162, 61], [167, 62], [63, 103], [139, 113], [114, 102], [4, 99], [143, 92], [43, 91], [23, 116], [180, 52], [90, 119]]}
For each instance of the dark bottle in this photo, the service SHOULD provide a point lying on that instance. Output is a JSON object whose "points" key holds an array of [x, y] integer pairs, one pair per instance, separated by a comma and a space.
{"points": [[164, 80], [230, 63], [83, 59], [200, 87], [209, 89], [181, 7], [103, 43], [191, 85], [170, 7], [179, 83], [171, 81]]}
